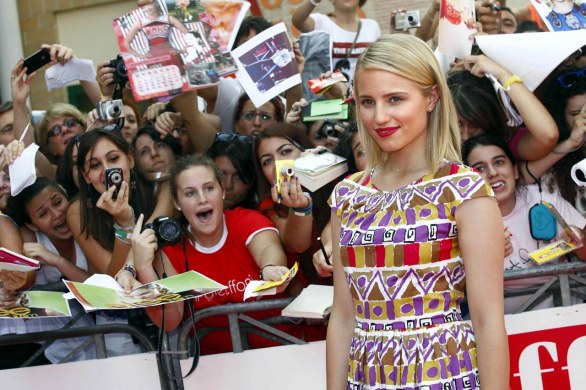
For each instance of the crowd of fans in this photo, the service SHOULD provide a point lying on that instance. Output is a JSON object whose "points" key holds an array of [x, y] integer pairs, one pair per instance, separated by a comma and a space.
{"points": [[208, 161]]}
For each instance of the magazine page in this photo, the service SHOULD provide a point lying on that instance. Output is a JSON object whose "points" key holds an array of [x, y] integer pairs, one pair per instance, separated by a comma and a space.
{"points": [[31, 304], [562, 15], [11, 261], [173, 46], [266, 65], [456, 26], [105, 295]]}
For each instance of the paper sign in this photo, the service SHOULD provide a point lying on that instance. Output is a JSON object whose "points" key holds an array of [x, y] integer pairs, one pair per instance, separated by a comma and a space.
{"points": [[22, 171], [59, 75], [456, 27], [266, 65]]}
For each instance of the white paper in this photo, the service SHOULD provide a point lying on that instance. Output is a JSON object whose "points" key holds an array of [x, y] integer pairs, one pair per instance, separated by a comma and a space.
{"points": [[456, 27], [59, 75], [266, 65], [22, 171], [532, 56], [252, 285]]}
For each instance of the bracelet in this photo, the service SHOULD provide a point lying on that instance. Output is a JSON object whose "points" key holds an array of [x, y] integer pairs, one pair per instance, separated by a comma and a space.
{"points": [[303, 212], [128, 268], [314, 3], [127, 229], [512, 80], [263, 268]]}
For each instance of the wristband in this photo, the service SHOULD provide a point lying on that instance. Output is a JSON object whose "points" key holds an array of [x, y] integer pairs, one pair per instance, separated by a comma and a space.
{"points": [[263, 268], [303, 212], [128, 268], [127, 229], [512, 80], [123, 235], [314, 3]]}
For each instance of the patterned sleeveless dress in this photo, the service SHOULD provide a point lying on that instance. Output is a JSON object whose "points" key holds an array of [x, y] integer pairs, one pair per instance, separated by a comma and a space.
{"points": [[402, 262]]}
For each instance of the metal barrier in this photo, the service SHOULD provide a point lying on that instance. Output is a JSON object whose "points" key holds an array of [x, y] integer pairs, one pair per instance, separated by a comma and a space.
{"points": [[564, 279]]}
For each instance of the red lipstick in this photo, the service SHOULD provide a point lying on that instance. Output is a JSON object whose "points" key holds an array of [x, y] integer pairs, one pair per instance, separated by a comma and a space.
{"points": [[384, 132]]}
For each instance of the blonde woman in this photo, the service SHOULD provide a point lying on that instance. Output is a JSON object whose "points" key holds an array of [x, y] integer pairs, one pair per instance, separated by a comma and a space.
{"points": [[413, 234]]}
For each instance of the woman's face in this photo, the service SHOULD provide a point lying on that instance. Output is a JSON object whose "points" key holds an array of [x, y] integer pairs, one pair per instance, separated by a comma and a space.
{"points": [[200, 199], [130, 124], [105, 155], [359, 153], [497, 169], [236, 189], [319, 138], [393, 111], [275, 148], [67, 128], [467, 129], [153, 156], [4, 189], [345, 4], [573, 108], [254, 120], [47, 211]]}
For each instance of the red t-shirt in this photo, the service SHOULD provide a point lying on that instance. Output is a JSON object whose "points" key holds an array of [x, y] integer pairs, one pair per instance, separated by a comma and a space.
{"points": [[230, 263]]}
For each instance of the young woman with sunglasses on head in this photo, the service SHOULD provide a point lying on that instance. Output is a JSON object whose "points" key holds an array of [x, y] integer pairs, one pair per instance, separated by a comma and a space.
{"points": [[492, 158], [231, 247], [413, 234]]}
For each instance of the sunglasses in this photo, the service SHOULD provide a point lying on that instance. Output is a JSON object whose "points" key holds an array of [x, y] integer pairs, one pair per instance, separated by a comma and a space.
{"points": [[57, 129], [569, 79], [251, 115], [228, 137]]}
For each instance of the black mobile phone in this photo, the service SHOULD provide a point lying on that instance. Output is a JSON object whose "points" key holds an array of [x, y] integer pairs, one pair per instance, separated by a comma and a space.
{"points": [[37, 61], [114, 179]]}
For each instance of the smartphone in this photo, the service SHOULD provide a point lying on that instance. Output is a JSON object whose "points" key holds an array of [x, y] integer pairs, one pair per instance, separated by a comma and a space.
{"points": [[114, 179], [37, 61]]}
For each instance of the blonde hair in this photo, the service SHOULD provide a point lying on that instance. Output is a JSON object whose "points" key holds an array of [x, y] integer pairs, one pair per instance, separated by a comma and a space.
{"points": [[56, 111], [411, 58]]}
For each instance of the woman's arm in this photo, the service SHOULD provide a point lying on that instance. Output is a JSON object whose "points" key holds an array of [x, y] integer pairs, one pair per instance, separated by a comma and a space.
{"points": [[543, 131], [267, 251], [200, 131], [301, 19], [481, 241], [101, 260], [429, 22], [341, 323], [323, 266]]}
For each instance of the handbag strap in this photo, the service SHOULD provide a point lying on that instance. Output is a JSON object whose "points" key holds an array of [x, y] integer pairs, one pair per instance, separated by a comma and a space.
{"points": [[355, 39]]}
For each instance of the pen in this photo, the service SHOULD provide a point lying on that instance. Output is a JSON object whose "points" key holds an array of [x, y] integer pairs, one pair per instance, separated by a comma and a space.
{"points": [[24, 132], [323, 250], [348, 100]]}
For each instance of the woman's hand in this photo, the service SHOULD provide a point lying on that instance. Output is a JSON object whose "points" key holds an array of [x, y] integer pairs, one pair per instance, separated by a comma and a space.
{"points": [[577, 136], [13, 280], [126, 281], [508, 242], [40, 252], [153, 111], [10, 152], [294, 116], [298, 57], [105, 78], [166, 122], [119, 207], [291, 193], [321, 265], [488, 16], [481, 65], [275, 272], [392, 28], [144, 245], [59, 53], [20, 83]]}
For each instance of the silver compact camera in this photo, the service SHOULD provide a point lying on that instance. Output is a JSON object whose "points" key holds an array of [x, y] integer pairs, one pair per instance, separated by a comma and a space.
{"points": [[110, 110], [409, 19]]}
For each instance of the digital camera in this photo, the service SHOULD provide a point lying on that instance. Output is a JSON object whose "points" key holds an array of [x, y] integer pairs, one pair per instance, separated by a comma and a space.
{"points": [[328, 129], [114, 178], [283, 169], [167, 230], [110, 110], [120, 72], [409, 19]]}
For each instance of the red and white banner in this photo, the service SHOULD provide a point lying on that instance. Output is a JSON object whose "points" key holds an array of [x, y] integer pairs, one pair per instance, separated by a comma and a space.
{"points": [[547, 349]]}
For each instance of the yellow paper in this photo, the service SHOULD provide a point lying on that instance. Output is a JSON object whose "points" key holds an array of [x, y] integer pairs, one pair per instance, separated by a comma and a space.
{"points": [[285, 278]]}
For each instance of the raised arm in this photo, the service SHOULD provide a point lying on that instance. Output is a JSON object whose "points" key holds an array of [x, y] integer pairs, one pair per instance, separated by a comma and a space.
{"points": [[301, 19], [429, 22], [481, 241], [199, 129], [543, 131]]}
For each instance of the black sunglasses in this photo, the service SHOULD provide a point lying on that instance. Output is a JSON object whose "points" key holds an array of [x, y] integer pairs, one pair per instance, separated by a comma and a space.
{"points": [[567, 80], [228, 137], [57, 129]]}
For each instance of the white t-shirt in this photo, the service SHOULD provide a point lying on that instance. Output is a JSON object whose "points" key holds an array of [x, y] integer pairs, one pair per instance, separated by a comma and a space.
{"points": [[518, 224], [342, 40]]}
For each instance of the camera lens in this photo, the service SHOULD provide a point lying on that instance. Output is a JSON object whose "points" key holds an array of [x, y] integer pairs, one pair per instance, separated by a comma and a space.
{"points": [[170, 231], [114, 111]]}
